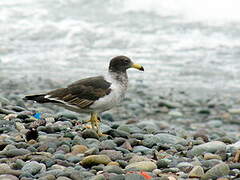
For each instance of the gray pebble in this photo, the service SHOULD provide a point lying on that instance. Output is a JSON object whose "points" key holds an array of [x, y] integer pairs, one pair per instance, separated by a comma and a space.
{"points": [[16, 152], [142, 149], [48, 177], [63, 178], [219, 170], [117, 177], [162, 138], [163, 163], [114, 155], [8, 177], [211, 147], [113, 169], [90, 133], [91, 142], [134, 177], [33, 167], [118, 133], [107, 144]]}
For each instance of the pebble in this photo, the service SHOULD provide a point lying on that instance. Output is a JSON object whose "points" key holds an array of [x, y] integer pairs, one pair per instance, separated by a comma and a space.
{"points": [[15, 152], [137, 158], [234, 111], [5, 169], [98, 177], [163, 163], [208, 156], [113, 169], [118, 133], [33, 167], [163, 138], [185, 166], [4, 101], [142, 149], [129, 129], [234, 165], [157, 172], [142, 166], [8, 177], [90, 133], [63, 178], [78, 149], [168, 104], [217, 171], [91, 142], [95, 159], [112, 154], [210, 147], [175, 113], [107, 144], [134, 177], [196, 172], [91, 151]]}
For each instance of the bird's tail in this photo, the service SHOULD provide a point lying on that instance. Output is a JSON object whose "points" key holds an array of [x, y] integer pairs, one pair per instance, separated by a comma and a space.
{"points": [[40, 98]]}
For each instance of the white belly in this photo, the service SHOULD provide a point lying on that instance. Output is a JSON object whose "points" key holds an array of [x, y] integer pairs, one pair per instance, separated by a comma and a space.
{"points": [[111, 100]]}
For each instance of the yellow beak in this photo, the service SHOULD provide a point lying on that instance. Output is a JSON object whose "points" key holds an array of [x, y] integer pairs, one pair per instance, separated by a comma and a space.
{"points": [[137, 66]]}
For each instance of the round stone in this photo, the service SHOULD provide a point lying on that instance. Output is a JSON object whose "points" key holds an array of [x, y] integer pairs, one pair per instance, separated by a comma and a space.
{"points": [[211, 147], [142, 166], [95, 159], [217, 171], [79, 149]]}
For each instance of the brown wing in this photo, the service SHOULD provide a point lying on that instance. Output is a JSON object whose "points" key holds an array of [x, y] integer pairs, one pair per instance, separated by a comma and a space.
{"points": [[82, 93]]}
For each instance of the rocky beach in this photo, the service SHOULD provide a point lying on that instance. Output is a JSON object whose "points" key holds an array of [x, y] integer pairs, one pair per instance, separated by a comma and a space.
{"points": [[180, 119], [166, 137]]}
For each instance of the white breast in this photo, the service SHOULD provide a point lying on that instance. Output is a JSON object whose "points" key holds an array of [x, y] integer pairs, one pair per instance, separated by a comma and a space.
{"points": [[116, 95]]}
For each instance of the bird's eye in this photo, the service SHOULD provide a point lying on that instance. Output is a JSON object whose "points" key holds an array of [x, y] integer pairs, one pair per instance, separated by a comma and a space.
{"points": [[126, 61]]}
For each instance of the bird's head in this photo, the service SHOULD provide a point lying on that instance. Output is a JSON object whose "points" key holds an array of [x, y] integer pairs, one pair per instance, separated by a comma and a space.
{"points": [[122, 63]]}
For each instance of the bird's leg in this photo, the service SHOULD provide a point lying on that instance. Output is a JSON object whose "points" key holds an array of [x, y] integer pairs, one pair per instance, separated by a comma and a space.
{"points": [[94, 121]]}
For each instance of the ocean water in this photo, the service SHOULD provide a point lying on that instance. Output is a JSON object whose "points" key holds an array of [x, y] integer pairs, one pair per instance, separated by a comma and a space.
{"points": [[183, 44]]}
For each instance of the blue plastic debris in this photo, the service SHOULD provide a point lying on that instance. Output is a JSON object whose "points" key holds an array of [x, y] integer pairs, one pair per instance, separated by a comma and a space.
{"points": [[37, 115]]}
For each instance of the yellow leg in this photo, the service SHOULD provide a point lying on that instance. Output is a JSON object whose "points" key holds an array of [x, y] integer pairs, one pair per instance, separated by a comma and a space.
{"points": [[95, 122]]}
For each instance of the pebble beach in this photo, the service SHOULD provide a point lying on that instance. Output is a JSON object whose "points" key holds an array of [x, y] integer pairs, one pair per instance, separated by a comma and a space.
{"points": [[165, 137], [180, 119]]}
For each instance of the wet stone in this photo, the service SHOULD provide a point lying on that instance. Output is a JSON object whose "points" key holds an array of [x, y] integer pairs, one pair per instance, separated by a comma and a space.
{"points": [[210, 147], [134, 177], [208, 156], [112, 154], [163, 163], [91, 151], [74, 159], [95, 159], [15, 152], [151, 140], [219, 170], [196, 172], [8, 177], [90, 133], [113, 169], [33, 167], [142, 149], [98, 177], [91, 142], [185, 166], [63, 178], [118, 133], [107, 144], [143, 165]]}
